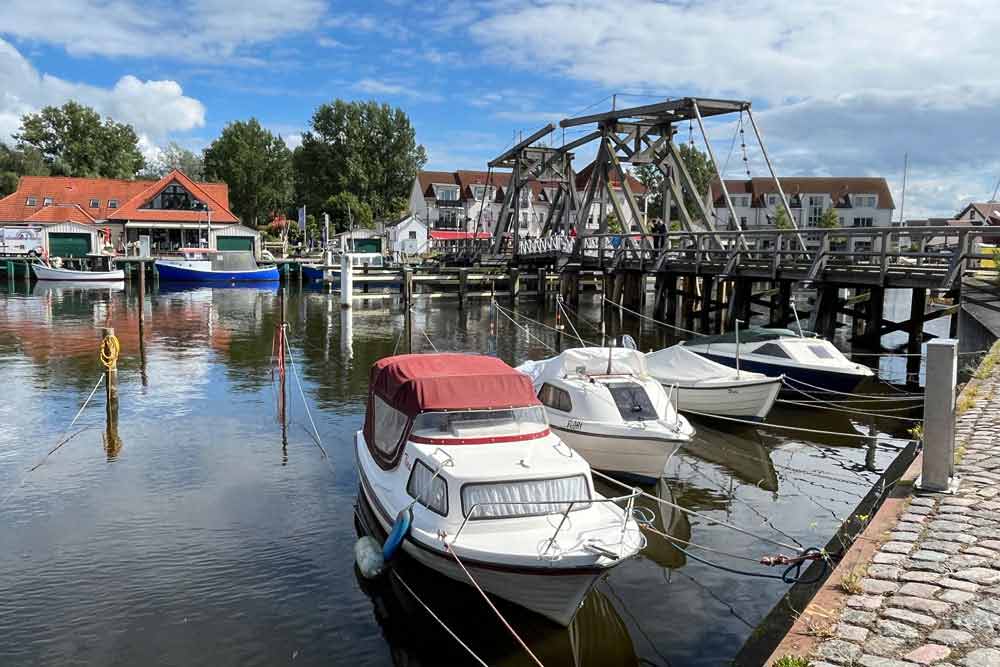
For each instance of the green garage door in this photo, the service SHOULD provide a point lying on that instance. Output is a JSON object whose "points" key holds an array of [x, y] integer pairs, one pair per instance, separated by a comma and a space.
{"points": [[69, 245], [234, 243]]}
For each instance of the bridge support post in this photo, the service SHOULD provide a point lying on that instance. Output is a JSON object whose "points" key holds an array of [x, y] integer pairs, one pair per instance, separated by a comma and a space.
{"points": [[781, 304], [824, 316], [569, 287], [515, 285], [463, 286], [407, 285], [706, 304], [671, 293], [662, 293], [688, 299], [743, 293], [918, 306], [542, 284], [634, 289]]}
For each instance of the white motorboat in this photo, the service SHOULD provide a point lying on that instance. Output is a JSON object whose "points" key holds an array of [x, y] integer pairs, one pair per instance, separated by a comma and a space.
{"points": [[704, 386], [604, 404], [459, 445], [806, 361], [43, 272]]}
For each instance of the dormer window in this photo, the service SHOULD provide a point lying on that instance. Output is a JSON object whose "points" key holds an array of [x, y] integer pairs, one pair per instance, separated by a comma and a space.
{"points": [[112, 203], [446, 193], [95, 203], [31, 201], [47, 201], [864, 201]]}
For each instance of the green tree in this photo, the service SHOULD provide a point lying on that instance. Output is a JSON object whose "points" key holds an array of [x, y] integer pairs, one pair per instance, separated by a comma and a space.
{"points": [[363, 148], [614, 224], [829, 219], [698, 166], [781, 220], [175, 156], [346, 209], [15, 163], [74, 141], [257, 167]]}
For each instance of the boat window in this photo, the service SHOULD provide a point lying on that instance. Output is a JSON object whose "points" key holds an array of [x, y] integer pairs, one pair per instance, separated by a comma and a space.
{"points": [[555, 398], [532, 497], [771, 350], [480, 423], [389, 425], [820, 351], [632, 401], [430, 491]]}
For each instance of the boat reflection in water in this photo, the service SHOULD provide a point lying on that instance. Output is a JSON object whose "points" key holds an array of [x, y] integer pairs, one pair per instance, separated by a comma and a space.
{"points": [[667, 519], [738, 450], [596, 636]]}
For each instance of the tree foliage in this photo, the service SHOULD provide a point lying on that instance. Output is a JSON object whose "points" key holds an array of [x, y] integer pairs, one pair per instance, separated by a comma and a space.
{"points": [[73, 140], [175, 156], [614, 224], [345, 210], [781, 220], [362, 148], [829, 219], [257, 167], [698, 166], [15, 162]]}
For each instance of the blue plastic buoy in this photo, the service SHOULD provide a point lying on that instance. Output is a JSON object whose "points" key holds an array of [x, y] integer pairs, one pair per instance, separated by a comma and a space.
{"points": [[398, 533]]}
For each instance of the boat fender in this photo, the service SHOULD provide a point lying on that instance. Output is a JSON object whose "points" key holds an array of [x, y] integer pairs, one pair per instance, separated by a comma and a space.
{"points": [[398, 533], [368, 556]]}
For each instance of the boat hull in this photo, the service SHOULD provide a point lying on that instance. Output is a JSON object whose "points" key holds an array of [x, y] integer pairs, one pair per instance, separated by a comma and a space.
{"points": [[741, 400], [554, 594], [829, 380], [640, 457], [49, 273], [173, 273]]}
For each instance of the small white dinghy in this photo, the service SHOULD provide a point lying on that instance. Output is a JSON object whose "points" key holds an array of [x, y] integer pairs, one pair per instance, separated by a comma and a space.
{"points": [[603, 402], [459, 466], [43, 272], [712, 388]]}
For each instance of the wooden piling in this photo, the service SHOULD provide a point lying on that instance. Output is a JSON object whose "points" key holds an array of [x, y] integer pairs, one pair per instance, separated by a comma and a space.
{"points": [[688, 299], [515, 285], [542, 284], [705, 303], [463, 286], [109, 358], [918, 306], [407, 285]]}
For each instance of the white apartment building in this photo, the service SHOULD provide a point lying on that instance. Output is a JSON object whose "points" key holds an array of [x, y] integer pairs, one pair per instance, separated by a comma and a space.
{"points": [[859, 202]]}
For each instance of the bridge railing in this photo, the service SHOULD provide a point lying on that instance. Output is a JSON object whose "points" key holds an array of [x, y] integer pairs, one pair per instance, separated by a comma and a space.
{"points": [[948, 250]]}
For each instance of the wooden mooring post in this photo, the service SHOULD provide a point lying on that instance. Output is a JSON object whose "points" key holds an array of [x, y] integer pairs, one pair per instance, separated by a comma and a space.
{"points": [[109, 358], [142, 325], [918, 306]]}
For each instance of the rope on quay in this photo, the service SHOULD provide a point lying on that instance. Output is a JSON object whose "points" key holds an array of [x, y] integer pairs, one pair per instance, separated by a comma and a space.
{"points": [[651, 319], [66, 436], [503, 620], [697, 514], [793, 428], [302, 394], [438, 619]]}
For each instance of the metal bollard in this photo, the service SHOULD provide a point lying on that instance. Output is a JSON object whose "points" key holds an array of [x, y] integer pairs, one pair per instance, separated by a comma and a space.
{"points": [[346, 280], [938, 472]]}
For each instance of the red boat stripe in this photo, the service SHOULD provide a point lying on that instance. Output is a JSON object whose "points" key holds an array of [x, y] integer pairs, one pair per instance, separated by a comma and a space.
{"points": [[478, 441]]}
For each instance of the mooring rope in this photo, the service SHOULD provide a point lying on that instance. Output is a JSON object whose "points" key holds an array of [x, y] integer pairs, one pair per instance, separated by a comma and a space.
{"points": [[793, 428], [524, 329], [651, 319], [302, 394], [570, 321], [822, 406], [874, 397], [503, 620], [66, 437], [438, 619]]}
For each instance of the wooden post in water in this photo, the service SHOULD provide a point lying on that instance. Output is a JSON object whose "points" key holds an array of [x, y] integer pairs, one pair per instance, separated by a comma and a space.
{"points": [[280, 344], [109, 358], [706, 304], [918, 305], [407, 286], [142, 319], [515, 284], [463, 286], [542, 285]]}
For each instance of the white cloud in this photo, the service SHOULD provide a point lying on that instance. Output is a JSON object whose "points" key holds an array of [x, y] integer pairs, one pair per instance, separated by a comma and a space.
{"points": [[195, 30], [394, 89], [330, 43], [841, 88], [153, 108]]}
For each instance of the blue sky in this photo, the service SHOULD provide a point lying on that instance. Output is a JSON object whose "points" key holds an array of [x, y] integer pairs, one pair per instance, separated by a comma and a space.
{"points": [[839, 88]]}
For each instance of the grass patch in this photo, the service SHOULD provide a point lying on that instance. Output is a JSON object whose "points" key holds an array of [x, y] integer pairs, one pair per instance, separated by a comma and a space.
{"points": [[791, 661], [967, 399], [917, 432], [988, 363], [851, 581]]}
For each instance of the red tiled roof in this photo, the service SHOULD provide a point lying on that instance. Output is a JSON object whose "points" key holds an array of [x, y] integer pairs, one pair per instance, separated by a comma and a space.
{"points": [[70, 190], [987, 211], [132, 210], [57, 213], [634, 184], [836, 187]]}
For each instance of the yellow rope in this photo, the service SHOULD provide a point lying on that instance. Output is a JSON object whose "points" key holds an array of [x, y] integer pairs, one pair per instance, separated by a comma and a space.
{"points": [[110, 347]]}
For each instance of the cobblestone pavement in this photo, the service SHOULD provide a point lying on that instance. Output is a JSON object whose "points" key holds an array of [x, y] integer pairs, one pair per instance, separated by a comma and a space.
{"points": [[931, 595]]}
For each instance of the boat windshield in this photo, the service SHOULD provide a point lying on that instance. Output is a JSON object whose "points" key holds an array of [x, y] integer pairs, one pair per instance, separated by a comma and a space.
{"points": [[632, 401], [480, 423]]}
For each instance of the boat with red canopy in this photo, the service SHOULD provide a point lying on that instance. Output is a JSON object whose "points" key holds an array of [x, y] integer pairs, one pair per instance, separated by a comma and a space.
{"points": [[459, 446]]}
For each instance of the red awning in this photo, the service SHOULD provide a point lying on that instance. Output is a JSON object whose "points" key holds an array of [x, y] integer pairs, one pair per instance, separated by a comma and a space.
{"points": [[414, 383], [449, 235]]}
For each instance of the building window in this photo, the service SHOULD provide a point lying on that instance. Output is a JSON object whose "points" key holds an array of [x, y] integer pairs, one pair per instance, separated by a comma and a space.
{"points": [[864, 201], [173, 198], [815, 209], [479, 190], [413, 236], [446, 193], [47, 201], [741, 200], [863, 222], [95, 203], [772, 200], [525, 198], [112, 203], [31, 201], [743, 221]]}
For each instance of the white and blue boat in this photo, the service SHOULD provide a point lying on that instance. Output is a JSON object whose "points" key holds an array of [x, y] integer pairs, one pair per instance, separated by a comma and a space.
{"points": [[213, 266], [808, 362]]}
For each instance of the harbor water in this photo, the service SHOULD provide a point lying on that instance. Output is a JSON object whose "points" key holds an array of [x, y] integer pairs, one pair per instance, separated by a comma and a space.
{"points": [[207, 537]]}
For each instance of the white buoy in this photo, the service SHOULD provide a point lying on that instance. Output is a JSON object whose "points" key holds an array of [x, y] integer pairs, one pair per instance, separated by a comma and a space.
{"points": [[368, 555]]}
